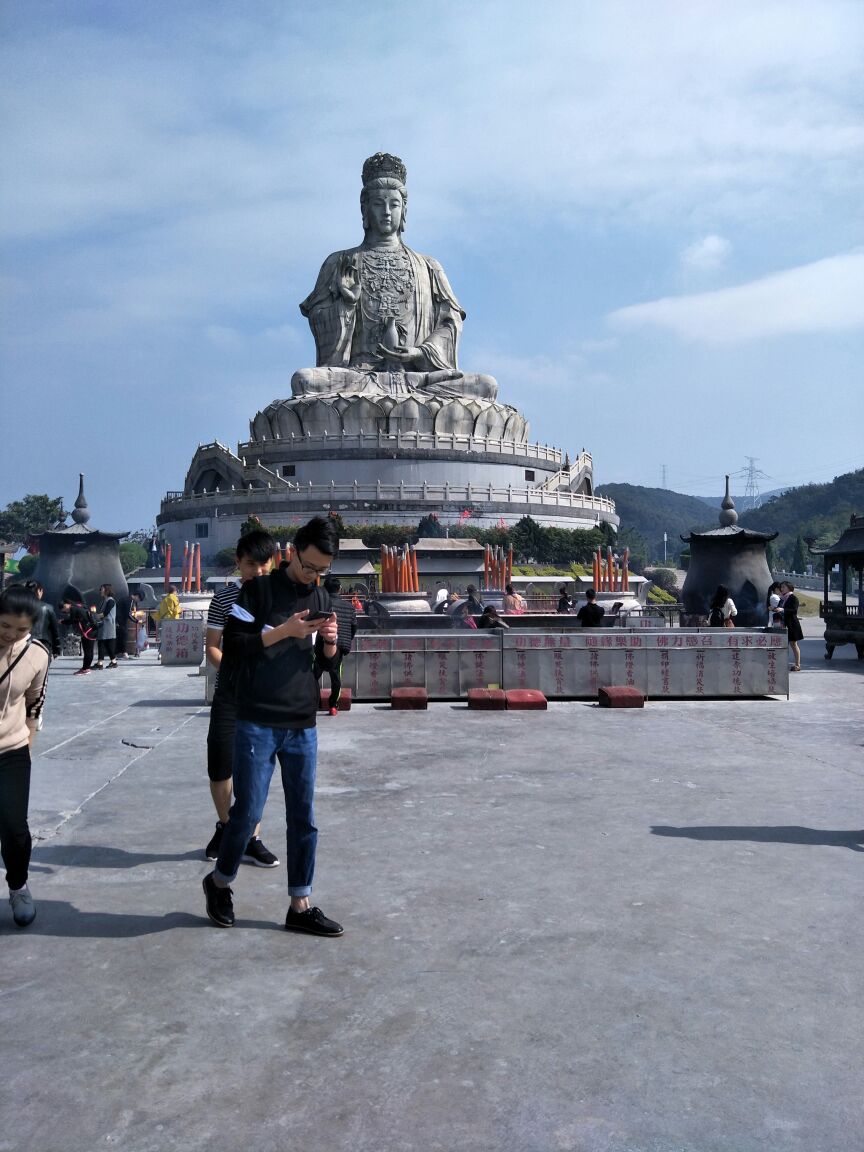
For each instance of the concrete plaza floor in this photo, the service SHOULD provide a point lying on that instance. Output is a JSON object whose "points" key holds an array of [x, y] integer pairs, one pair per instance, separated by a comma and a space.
{"points": [[575, 931]]}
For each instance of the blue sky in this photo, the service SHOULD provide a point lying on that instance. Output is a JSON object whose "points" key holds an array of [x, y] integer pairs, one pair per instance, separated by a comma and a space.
{"points": [[650, 212]]}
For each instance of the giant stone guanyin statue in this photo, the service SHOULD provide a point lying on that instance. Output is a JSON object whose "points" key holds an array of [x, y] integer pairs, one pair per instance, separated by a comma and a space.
{"points": [[384, 318]]}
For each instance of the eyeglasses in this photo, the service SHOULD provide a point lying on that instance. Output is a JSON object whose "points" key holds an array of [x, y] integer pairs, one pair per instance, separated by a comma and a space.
{"points": [[312, 570]]}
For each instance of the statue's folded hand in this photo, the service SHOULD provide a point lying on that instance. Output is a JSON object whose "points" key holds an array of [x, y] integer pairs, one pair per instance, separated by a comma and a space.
{"points": [[402, 354]]}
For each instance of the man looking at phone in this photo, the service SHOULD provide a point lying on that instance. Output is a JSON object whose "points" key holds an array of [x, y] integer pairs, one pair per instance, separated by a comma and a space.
{"points": [[280, 631]]}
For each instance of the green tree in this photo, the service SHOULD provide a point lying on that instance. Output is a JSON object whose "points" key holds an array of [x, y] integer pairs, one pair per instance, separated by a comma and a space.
{"points": [[527, 537], [22, 518], [430, 527], [799, 556], [225, 560], [771, 556], [664, 578], [27, 566], [132, 555]]}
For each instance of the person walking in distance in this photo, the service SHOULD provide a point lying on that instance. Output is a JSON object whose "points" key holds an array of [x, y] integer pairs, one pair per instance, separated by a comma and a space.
{"points": [[255, 552], [280, 630], [107, 634], [23, 674], [346, 626]]}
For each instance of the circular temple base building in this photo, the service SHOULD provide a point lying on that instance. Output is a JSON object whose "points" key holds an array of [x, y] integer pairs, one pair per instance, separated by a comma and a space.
{"points": [[386, 428]]}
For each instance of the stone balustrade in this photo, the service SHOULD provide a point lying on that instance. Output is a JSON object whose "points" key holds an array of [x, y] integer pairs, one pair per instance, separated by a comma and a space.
{"points": [[465, 494], [309, 445]]}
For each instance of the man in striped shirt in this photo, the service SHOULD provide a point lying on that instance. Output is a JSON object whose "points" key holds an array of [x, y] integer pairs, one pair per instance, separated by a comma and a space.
{"points": [[255, 552]]}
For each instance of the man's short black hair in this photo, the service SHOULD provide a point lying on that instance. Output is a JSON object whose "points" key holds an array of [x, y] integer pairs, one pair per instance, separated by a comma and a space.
{"points": [[318, 533], [333, 585], [258, 546], [590, 594], [471, 589]]}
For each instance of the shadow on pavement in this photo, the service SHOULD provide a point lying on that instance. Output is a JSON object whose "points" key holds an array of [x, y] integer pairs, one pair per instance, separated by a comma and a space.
{"points": [[172, 702], [59, 918], [97, 856], [767, 834]]}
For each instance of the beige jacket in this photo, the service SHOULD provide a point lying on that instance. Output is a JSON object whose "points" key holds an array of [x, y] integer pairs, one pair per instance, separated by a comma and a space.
{"points": [[22, 692]]}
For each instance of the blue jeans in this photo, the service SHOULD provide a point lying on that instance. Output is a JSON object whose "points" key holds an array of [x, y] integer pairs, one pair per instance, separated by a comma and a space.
{"points": [[256, 749]]}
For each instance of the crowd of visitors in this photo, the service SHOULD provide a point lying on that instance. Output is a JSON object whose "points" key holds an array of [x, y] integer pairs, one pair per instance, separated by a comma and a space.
{"points": [[271, 639]]}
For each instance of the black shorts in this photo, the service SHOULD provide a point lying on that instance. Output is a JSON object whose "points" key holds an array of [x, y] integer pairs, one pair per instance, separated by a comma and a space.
{"points": [[220, 738]]}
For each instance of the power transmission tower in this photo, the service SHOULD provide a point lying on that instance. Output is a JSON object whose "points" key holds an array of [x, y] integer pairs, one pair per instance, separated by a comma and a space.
{"points": [[752, 475]]}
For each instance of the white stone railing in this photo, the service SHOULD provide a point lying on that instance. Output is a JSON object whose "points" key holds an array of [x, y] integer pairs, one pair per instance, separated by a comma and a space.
{"points": [[419, 441], [466, 494]]}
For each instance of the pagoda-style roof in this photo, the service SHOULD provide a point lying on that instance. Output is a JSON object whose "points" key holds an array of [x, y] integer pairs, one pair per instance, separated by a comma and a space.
{"points": [[851, 543], [729, 527], [78, 527], [731, 530]]}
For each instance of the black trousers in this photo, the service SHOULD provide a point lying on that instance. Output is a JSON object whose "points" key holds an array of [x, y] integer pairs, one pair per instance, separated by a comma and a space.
{"points": [[107, 648], [335, 683], [87, 647], [15, 841]]}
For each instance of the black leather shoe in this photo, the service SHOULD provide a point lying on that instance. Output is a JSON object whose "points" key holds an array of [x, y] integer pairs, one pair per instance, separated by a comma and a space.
{"points": [[220, 906], [313, 921]]}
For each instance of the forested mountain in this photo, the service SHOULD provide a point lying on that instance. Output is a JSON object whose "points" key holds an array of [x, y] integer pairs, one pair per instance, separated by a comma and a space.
{"points": [[815, 513], [649, 512]]}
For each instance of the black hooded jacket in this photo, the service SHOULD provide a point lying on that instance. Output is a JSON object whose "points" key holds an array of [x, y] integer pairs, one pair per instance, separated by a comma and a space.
{"points": [[274, 686]]}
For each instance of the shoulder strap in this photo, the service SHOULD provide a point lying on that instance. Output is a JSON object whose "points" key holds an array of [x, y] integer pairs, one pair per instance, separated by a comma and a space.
{"points": [[19, 657]]}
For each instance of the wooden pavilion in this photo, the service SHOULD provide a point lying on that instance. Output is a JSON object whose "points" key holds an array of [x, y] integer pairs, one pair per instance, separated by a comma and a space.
{"points": [[844, 620]]}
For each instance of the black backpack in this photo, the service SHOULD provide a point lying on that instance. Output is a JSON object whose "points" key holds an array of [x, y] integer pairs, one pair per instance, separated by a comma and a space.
{"points": [[715, 620]]}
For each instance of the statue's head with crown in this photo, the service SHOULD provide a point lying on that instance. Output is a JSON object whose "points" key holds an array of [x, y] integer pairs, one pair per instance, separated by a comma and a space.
{"points": [[383, 171], [384, 318]]}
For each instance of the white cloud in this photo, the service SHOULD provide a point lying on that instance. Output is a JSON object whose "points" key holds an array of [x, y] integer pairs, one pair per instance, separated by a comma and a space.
{"points": [[825, 296], [707, 254], [627, 107]]}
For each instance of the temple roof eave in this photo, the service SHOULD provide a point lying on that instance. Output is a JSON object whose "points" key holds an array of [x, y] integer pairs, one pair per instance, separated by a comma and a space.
{"points": [[851, 543], [733, 531], [80, 530]]}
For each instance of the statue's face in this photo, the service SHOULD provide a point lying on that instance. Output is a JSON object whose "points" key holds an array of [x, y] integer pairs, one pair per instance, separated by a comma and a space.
{"points": [[384, 211]]}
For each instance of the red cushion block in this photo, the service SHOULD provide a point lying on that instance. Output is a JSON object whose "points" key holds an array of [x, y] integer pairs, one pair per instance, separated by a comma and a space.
{"points": [[344, 704], [487, 699], [621, 697], [526, 699], [406, 698]]}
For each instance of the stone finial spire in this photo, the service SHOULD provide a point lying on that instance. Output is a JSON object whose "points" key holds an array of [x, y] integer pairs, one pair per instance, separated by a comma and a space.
{"points": [[728, 515], [81, 513]]}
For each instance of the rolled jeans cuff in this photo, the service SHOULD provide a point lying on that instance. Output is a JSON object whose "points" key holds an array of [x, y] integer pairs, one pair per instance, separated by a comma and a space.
{"points": [[298, 893], [226, 879]]}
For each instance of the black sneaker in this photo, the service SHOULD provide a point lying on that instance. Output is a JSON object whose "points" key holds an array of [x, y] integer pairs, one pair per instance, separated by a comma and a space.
{"points": [[257, 854], [211, 852], [312, 920], [220, 906]]}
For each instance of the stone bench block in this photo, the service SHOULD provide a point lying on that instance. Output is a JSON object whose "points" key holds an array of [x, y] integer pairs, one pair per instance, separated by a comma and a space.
{"points": [[621, 696], [409, 698], [525, 700], [487, 699], [344, 700]]}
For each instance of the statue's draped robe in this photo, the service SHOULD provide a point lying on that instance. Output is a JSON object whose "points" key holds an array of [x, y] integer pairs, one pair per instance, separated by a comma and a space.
{"points": [[426, 314]]}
